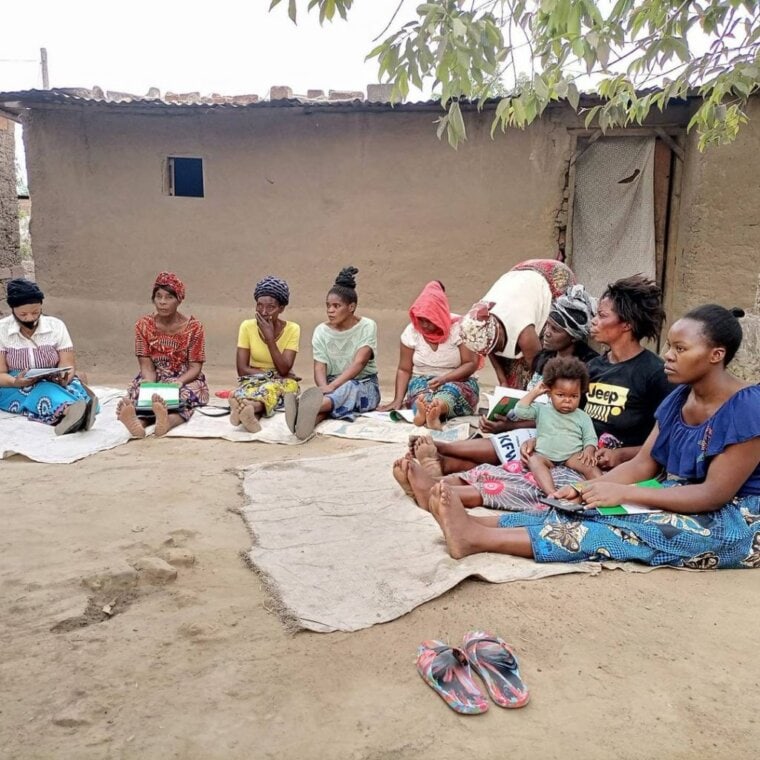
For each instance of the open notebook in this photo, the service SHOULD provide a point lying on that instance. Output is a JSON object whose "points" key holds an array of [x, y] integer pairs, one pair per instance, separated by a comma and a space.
{"points": [[169, 392]]}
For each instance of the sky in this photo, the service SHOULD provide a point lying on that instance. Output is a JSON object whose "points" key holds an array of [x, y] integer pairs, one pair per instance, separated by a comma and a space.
{"points": [[225, 46]]}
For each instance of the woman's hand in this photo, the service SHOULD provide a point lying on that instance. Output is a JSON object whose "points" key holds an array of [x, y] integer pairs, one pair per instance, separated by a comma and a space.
{"points": [[266, 328], [526, 451], [390, 406], [603, 493], [606, 459], [498, 425], [65, 378], [22, 381], [435, 383], [568, 493]]}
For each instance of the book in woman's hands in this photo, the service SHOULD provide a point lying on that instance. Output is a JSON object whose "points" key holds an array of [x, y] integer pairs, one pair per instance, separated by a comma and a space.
{"points": [[40, 373], [169, 392], [503, 400]]}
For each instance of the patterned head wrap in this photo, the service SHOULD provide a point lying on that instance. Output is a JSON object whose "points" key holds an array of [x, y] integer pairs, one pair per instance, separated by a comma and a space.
{"points": [[21, 292], [169, 281], [273, 287], [478, 329], [574, 311], [433, 306]]}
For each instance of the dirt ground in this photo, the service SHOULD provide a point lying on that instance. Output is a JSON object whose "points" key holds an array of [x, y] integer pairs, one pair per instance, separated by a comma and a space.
{"points": [[658, 665]]}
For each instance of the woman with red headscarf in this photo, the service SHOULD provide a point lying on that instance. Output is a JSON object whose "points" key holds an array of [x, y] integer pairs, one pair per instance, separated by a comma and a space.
{"points": [[170, 348], [434, 375]]}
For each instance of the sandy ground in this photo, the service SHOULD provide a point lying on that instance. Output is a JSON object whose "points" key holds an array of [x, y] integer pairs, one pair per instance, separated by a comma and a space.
{"points": [[659, 665]]}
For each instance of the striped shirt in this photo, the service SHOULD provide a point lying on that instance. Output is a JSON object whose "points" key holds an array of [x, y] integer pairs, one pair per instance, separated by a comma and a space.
{"points": [[41, 350]]}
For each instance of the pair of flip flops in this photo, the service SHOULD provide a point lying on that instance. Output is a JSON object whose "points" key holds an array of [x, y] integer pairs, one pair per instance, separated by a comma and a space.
{"points": [[301, 412], [448, 671]]}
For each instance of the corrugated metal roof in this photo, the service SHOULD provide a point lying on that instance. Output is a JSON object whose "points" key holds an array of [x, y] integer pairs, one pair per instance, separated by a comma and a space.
{"points": [[15, 102]]}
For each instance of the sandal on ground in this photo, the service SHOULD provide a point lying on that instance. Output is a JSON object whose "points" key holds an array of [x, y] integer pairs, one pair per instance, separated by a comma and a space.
{"points": [[92, 408], [72, 419], [308, 410], [446, 670], [290, 403], [495, 662]]}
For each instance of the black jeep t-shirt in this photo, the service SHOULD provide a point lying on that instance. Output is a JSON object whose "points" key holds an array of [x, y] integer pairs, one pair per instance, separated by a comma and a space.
{"points": [[622, 398]]}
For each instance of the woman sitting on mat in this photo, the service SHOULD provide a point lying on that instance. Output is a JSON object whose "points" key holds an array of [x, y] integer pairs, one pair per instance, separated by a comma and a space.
{"points": [[266, 351], [345, 371], [707, 443], [506, 323], [170, 348], [30, 340], [434, 375], [626, 386]]}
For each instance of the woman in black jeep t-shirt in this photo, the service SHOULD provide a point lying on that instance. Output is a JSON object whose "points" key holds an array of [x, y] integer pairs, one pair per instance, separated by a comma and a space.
{"points": [[627, 384]]}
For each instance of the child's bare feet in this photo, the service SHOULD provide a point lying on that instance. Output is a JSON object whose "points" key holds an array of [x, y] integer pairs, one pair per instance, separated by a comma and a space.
{"points": [[435, 411], [234, 402], [163, 425], [457, 527], [400, 468], [248, 418], [420, 414], [426, 453], [126, 414]]}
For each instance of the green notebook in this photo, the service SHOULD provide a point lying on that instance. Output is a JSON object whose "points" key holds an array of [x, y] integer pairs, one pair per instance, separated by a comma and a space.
{"points": [[631, 509], [169, 392]]}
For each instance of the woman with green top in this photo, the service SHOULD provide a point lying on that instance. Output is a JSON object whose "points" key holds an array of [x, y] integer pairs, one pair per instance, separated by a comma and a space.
{"points": [[345, 371]]}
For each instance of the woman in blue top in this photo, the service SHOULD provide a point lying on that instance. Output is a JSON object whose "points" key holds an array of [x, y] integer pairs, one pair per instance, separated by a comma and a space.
{"points": [[707, 442]]}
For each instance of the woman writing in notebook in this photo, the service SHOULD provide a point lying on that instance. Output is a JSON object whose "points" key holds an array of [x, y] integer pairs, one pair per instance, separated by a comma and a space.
{"points": [[170, 348]]}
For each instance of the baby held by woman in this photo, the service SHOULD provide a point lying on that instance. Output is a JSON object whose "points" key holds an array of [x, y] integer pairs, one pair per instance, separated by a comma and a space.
{"points": [[564, 433]]}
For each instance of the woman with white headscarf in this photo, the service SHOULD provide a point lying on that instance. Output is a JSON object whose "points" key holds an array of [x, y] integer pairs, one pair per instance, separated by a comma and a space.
{"points": [[506, 323]]}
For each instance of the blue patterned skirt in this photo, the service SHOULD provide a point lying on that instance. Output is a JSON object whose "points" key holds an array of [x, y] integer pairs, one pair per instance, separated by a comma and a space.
{"points": [[354, 397], [726, 538], [45, 401]]}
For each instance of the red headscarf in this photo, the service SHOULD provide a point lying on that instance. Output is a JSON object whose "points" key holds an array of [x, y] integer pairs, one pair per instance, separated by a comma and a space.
{"points": [[172, 282], [432, 305]]}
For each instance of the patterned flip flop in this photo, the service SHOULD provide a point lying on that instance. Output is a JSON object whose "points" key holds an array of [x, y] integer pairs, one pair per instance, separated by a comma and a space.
{"points": [[446, 670], [495, 662]]}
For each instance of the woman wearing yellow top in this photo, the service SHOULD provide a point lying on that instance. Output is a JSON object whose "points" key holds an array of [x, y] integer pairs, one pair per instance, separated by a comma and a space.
{"points": [[266, 351]]}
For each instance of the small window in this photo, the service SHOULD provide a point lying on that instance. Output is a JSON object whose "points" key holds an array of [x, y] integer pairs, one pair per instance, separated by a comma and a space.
{"points": [[185, 177]]}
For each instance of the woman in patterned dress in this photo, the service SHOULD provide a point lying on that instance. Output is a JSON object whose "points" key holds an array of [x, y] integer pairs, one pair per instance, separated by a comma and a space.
{"points": [[706, 444], [170, 348], [29, 340]]}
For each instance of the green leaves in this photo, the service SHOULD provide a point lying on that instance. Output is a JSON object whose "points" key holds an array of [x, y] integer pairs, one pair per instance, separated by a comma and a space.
{"points": [[636, 53]]}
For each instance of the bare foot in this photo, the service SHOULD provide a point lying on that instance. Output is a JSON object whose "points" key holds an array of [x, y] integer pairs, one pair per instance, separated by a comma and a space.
{"points": [[426, 453], [435, 411], [163, 426], [249, 419], [420, 413], [126, 414], [457, 527], [234, 402], [421, 484], [400, 467]]}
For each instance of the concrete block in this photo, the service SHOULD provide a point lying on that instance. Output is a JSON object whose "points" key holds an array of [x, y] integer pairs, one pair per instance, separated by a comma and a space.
{"points": [[280, 93], [379, 93], [5, 273], [345, 95], [18, 270], [314, 94]]}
